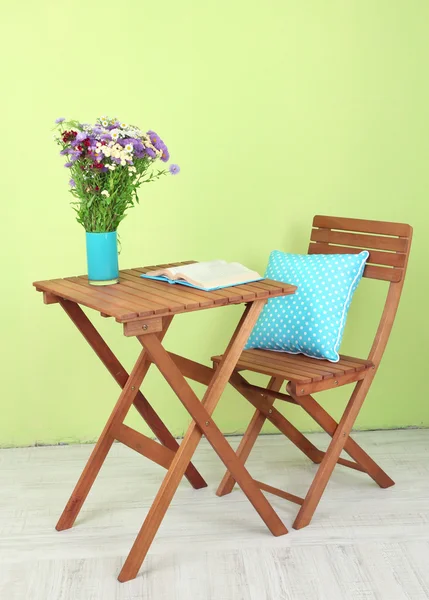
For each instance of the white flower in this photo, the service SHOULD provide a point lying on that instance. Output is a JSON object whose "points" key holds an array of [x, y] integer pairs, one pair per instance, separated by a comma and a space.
{"points": [[105, 193], [123, 163], [115, 134], [104, 123], [129, 148], [132, 169], [124, 125]]}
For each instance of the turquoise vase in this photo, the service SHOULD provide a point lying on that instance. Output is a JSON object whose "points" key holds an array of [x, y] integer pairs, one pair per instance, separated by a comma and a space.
{"points": [[102, 258]]}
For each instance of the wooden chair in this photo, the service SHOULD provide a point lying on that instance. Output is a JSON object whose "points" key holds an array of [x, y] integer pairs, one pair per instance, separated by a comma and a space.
{"points": [[389, 247]]}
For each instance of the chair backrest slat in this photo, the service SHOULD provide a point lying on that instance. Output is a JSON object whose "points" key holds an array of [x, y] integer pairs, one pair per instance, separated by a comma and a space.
{"points": [[388, 245], [362, 225], [389, 259], [388, 248]]}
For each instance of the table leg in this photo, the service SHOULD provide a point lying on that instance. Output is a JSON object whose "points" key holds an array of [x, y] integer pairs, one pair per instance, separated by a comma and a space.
{"points": [[112, 364], [104, 443], [201, 412]]}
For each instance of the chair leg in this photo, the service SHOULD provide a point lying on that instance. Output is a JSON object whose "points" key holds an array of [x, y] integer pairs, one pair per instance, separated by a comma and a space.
{"points": [[249, 438], [330, 459], [322, 418], [276, 418]]}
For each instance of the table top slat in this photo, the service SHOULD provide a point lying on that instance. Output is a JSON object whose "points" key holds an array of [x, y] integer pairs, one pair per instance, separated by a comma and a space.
{"points": [[132, 283], [165, 289], [63, 289], [128, 297], [135, 297]]}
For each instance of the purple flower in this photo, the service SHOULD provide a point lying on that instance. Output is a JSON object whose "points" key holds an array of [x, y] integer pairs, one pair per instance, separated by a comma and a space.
{"points": [[174, 169], [72, 183], [104, 169], [106, 137], [59, 120], [150, 152], [97, 130], [155, 140], [165, 153], [82, 135], [68, 165], [65, 151], [75, 154]]}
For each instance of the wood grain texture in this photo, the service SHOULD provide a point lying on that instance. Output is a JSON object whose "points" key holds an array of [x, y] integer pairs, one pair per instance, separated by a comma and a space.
{"points": [[388, 250], [307, 375], [363, 225], [375, 548], [134, 297]]}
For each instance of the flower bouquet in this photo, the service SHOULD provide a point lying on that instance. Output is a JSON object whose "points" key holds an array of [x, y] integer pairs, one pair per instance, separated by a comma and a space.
{"points": [[108, 162]]}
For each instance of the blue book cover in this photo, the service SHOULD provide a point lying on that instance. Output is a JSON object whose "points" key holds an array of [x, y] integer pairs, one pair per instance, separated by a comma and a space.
{"points": [[197, 287]]}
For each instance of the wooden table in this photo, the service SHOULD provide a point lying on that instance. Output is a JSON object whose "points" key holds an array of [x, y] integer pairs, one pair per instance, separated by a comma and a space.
{"points": [[146, 309]]}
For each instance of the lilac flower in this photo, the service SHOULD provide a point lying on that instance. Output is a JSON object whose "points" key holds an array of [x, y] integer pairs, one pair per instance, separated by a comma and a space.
{"points": [[165, 153], [59, 120], [106, 137], [125, 141], [72, 183], [104, 169], [68, 165], [97, 130], [174, 169], [82, 135], [65, 151], [155, 140], [75, 154], [150, 152]]}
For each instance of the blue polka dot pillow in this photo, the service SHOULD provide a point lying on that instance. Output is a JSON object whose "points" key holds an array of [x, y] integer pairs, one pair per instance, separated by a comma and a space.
{"points": [[312, 320]]}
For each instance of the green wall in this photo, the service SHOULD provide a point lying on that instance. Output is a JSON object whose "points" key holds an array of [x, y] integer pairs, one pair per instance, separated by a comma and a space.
{"points": [[275, 111]]}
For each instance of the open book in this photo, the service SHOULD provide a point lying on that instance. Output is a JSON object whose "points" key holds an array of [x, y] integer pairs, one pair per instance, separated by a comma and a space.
{"points": [[211, 275]]}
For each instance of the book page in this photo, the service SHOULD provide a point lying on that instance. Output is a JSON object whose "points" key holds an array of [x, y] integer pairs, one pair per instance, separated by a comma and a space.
{"points": [[214, 273]]}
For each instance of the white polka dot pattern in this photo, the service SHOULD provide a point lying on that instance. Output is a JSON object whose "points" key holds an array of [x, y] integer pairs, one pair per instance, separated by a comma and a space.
{"points": [[312, 320]]}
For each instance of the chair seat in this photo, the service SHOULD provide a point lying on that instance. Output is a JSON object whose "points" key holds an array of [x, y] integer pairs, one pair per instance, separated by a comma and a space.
{"points": [[307, 375]]}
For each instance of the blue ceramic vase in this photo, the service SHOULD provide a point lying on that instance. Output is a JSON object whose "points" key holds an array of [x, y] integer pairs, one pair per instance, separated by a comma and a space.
{"points": [[102, 258]]}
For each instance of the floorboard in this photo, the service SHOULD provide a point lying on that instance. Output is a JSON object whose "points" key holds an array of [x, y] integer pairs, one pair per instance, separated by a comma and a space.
{"points": [[364, 543]]}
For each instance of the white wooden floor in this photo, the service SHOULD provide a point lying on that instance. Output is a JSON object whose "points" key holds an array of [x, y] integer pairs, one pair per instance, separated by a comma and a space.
{"points": [[364, 543]]}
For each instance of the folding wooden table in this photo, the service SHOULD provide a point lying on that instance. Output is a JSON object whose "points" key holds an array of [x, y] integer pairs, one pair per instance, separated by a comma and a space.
{"points": [[146, 308]]}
